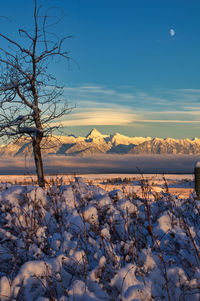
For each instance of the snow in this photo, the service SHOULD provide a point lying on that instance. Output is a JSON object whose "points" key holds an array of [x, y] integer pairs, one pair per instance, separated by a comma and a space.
{"points": [[91, 215], [94, 133], [78, 241], [109, 146], [125, 278], [4, 288], [118, 139]]}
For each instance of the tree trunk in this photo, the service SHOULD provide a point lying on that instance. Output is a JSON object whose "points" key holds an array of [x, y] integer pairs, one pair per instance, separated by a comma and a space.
{"points": [[38, 159]]}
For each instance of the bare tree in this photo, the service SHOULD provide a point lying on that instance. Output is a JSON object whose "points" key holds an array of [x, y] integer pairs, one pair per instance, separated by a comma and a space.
{"points": [[29, 96]]}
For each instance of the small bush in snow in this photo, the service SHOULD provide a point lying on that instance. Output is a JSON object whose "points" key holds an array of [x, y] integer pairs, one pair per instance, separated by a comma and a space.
{"points": [[80, 242]]}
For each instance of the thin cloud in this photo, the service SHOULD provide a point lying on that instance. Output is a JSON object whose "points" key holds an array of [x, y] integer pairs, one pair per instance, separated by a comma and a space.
{"points": [[161, 97], [98, 117], [193, 110], [91, 90], [100, 105], [132, 97], [173, 115], [195, 91], [168, 121], [97, 93]]}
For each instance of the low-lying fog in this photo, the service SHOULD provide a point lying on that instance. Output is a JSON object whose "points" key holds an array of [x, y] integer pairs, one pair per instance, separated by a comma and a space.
{"points": [[103, 164]]}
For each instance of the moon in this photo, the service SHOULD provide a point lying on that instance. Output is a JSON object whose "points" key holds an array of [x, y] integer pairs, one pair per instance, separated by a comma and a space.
{"points": [[172, 32]]}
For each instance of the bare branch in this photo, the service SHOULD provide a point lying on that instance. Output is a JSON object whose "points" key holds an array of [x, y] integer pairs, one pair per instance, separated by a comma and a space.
{"points": [[23, 31], [15, 43], [15, 66]]}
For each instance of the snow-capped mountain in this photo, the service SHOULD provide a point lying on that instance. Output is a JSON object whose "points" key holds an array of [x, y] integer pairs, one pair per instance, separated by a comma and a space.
{"points": [[97, 143]]}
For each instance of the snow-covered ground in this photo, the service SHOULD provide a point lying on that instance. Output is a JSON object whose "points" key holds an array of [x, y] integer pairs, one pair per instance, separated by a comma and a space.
{"points": [[181, 185], [77, 241]]}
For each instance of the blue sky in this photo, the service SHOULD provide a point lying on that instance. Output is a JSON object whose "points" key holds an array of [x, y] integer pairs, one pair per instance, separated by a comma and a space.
{"points": [[132, 76]]}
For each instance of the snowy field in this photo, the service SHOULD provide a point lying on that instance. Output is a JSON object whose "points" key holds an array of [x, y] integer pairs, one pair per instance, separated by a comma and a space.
{"points": [[79, 240], [181, 185]]}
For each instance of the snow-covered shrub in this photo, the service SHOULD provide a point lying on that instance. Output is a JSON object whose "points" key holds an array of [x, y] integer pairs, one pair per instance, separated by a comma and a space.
{"points": [[80, 242]]}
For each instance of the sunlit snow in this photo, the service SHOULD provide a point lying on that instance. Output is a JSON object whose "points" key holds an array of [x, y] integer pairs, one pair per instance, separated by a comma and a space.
{"points": [[78, 241]]}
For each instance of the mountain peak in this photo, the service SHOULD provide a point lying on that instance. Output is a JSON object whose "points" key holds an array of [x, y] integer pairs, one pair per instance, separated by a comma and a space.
{"points": [[96, 143], [94, 133]]}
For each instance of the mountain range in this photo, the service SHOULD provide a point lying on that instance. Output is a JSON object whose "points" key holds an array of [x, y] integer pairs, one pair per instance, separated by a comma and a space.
{"points": [[96, 143]]}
